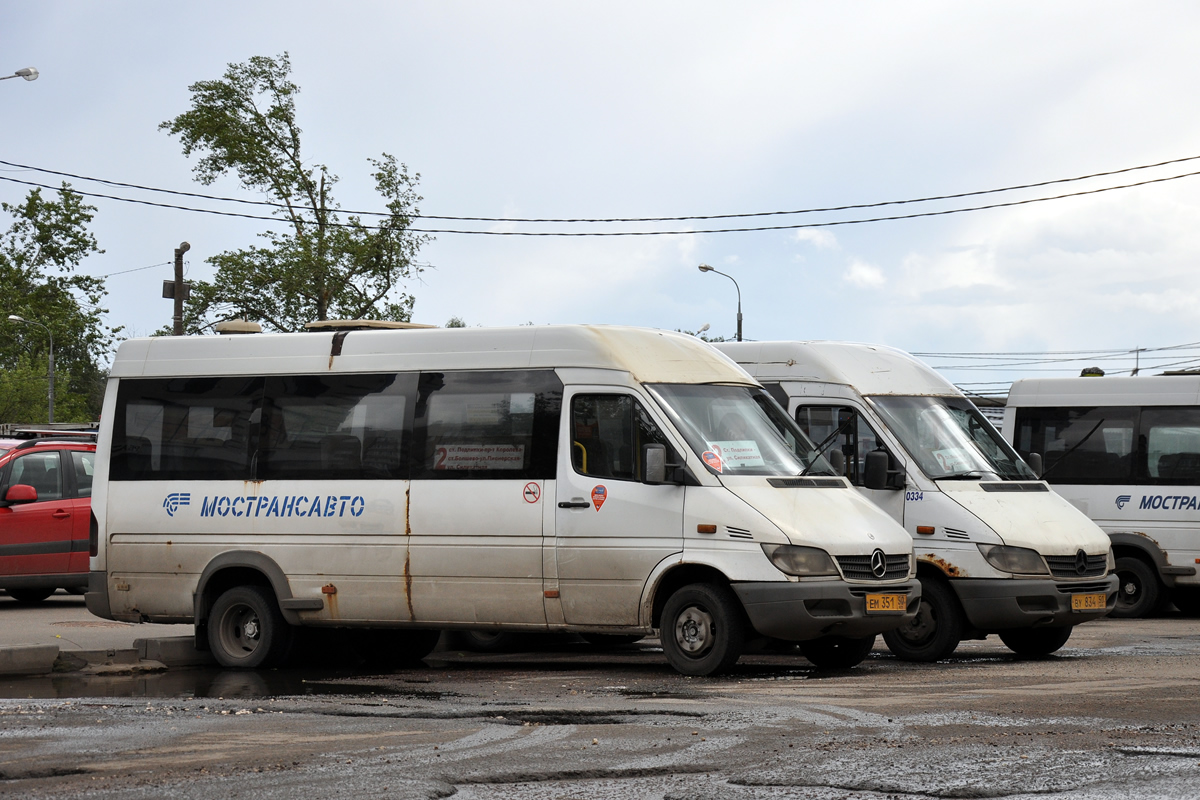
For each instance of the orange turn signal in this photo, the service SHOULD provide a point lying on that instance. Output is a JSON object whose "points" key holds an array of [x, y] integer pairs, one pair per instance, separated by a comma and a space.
{"points": [[925, 530], [706, 529]]}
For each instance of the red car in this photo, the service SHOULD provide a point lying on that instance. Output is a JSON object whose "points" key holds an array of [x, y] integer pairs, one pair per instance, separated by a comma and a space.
{"points": [[45, 516]]}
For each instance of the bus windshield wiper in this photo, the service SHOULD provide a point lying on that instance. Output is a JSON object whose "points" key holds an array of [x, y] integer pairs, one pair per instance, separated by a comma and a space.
{"points": [[958, 476]]}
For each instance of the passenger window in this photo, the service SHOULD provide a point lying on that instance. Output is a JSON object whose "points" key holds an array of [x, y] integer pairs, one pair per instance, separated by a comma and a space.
{"points": [[336, 427], [840, 428], [608, 432], [84, 464], [39, 470], [185, 428], [1172, 441], [487, 425], [1081, 445]]}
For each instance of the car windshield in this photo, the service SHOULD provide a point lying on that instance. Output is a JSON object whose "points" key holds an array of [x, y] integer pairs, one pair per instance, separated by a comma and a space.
{"points": [[739, 430], [949, 438]]}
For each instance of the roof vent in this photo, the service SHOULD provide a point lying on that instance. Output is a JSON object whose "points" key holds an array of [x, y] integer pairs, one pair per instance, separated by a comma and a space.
{"points": [[362, 325], [237, 326]]}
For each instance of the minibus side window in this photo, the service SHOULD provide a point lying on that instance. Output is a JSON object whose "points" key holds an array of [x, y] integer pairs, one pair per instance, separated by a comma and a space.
{"points": [[608, 431], [1086, 446], [336, 427], [185, 428], [855, 438], [1171, 437], [486, 425]]}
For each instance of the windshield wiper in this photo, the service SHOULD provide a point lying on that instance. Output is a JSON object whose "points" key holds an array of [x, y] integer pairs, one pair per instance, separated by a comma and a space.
{"points": [[958, 476]]}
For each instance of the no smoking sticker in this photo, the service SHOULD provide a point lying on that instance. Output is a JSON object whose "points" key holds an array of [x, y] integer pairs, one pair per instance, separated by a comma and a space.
{"points": [[713, 460], [599, 495], [533, 493]]}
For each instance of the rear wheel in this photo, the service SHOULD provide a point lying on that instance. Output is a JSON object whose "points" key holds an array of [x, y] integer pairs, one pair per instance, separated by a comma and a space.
{"points": [[485, 641], [1035, 641], [703, 629], [29, 595], [1138, 590], [398, 648], [246, 629], [837, 652], [1187, 601], [936, 630]]}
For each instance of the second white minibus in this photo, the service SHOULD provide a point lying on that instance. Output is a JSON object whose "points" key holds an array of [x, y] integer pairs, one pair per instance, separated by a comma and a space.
{"points": [[997, 551], [601, 480], [1126, 452]]}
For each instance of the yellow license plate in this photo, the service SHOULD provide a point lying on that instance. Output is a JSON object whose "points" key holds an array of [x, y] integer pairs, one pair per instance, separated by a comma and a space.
{"points": [[883, 603], [1088, 602]]}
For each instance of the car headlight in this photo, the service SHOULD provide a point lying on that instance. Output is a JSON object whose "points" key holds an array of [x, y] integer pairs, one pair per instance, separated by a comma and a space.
{"points": [[1014, 559], [1111, 566], [794, 560]]}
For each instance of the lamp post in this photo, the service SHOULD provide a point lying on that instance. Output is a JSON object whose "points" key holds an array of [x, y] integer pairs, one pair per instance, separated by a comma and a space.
{"points": [[707, 268], [29, 74], [15, 318], [178, 296]]}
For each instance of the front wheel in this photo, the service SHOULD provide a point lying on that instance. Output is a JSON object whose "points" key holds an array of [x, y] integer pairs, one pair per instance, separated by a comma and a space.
{"points": [[246, 629], [1138, 591], [703, 629], [936, 630], [1035, 641], [837, 652]]}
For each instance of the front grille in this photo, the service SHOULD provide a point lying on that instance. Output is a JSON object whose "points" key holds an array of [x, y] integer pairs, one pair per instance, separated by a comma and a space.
{"points": [[858, 568], [1078, 588], [1064, 566]]}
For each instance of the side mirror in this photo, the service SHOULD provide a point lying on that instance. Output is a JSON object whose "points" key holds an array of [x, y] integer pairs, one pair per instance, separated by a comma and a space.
{"points": [[875, 469], [837, 460], [654, 463], [1034, 460], [21, 493]]}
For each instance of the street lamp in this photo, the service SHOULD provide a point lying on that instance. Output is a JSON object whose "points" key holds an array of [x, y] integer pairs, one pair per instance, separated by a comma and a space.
{"points": [[29, 74], [15, 318], [707, 268]]}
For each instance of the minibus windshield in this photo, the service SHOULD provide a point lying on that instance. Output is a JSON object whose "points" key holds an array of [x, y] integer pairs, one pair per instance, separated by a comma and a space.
{"points": [[949, 438], [739, 430]]}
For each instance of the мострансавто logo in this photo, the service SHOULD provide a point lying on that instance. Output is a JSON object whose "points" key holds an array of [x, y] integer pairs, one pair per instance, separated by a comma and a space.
{"points": [[1162, 502], [332, 505]]}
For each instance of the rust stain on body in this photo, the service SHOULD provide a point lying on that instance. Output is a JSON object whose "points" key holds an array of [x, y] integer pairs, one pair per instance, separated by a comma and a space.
{"points": [[408, 552], [945, 566]]}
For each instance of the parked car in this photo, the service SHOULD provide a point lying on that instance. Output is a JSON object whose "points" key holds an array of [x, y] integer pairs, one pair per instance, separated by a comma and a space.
{"points": [[45, 517]]}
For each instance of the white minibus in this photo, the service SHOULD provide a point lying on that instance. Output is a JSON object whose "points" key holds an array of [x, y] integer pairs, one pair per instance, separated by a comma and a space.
{"points": [[601, 480], [1126, 452], [997, 551]]}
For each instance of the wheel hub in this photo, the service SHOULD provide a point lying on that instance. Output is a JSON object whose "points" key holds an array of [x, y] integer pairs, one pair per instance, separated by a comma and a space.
{"points": [[694, 630]]}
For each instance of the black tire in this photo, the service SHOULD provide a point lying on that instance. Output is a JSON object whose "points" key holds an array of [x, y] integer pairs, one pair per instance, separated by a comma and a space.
{"points": [[1138, 590], [703, 629], [485, 641], [837, 652], [29, 596], [1187, 601], [1036, 641], [607, 640], [246, 629], [936, 630]]}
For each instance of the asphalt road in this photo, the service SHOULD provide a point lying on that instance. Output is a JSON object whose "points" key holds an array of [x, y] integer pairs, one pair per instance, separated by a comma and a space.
{"points": [[1115, 714]]}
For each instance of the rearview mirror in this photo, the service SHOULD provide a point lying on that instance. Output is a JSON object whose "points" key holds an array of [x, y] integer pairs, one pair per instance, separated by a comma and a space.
{"points": [[875, 469], [654, 463], [1034, 460], [21, 493]]}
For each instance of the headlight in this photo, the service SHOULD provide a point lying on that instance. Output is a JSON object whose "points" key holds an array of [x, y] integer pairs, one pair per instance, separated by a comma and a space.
{"points": [[1014, 559], [794, 560], [1112, 562]]}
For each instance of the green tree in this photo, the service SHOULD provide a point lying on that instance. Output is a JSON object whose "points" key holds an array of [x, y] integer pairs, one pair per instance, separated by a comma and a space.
{"points": [[40, 253], [455, 322], [320, 267]]}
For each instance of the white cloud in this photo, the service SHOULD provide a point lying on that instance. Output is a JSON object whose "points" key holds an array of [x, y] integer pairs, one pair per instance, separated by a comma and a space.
{"points": [[864, 275], [817, 237]]}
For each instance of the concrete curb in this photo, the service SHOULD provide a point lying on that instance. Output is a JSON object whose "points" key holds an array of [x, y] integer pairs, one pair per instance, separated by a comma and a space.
{"points": [[146, 655], [176, 651], [27, 659]]}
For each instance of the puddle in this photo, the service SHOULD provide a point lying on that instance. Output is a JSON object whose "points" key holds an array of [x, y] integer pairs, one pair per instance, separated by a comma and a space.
{"points": [[204, 682]]}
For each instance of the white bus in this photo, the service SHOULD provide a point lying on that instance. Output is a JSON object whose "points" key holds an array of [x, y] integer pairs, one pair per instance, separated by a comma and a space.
{"points": [[997, 551], [1126, 452], [602, 480]]}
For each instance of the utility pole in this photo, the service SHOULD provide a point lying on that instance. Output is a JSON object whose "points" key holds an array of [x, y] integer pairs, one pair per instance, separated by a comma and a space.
{"points": [[178, 289]]}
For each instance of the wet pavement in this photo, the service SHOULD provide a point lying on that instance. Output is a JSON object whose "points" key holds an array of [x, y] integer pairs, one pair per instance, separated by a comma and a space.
{"points": [[1114, 715]]}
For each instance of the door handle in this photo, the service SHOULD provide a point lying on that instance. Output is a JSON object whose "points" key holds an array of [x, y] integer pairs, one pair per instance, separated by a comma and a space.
{"points": [[60, 514], [582, 504]]}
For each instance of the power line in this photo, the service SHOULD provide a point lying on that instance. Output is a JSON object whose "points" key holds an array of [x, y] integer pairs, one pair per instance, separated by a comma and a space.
{"points": [[135, 269], [626, 233], [957, 196]]}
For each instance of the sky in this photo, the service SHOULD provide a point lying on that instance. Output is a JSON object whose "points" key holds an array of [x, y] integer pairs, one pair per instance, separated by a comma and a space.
{"points": [[643, 109]]}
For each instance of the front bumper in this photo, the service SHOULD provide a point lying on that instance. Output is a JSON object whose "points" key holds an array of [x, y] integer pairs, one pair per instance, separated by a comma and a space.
{"points": [[798, 612], [1004, 603]]}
